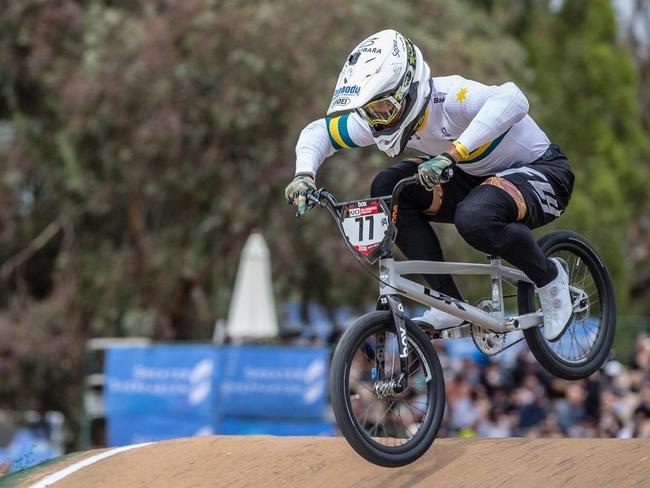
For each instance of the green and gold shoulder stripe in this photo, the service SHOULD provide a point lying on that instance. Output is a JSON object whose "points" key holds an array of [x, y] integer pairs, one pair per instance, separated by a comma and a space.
{"points": [[337, 129]]}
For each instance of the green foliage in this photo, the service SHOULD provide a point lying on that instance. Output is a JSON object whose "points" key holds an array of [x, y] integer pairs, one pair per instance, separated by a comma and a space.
{"points": [[586, 99]]}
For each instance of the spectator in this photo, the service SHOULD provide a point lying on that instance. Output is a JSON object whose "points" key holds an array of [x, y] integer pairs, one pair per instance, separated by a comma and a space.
{"points": [[571, 410], [496, 424]]}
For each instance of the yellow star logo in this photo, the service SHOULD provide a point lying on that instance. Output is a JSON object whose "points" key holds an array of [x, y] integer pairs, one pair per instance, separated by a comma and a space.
{"points": [[462, 93]]}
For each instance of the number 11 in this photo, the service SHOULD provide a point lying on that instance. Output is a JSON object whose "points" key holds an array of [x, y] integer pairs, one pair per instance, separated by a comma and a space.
{"points": [[371, 230]]}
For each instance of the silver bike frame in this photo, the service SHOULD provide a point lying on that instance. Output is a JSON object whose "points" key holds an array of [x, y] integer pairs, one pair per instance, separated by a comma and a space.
{"points": [[391, 274]]}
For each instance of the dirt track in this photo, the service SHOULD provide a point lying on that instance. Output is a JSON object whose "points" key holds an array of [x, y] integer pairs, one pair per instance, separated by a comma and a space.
{"points": [[263, 461]]}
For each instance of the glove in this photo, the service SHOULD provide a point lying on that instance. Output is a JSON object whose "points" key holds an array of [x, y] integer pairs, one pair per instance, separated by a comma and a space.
{"points": [[433, 171], [296, 191]]}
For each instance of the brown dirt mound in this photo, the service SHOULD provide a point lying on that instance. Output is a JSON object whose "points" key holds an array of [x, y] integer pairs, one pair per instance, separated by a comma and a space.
{"points": [[257, 461]]}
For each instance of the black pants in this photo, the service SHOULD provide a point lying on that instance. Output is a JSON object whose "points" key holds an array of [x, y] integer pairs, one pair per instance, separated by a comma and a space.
{"points": [[486, 215]]}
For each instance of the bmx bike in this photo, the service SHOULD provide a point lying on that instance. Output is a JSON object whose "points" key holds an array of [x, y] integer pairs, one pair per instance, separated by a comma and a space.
{"points": [[386, 382]]}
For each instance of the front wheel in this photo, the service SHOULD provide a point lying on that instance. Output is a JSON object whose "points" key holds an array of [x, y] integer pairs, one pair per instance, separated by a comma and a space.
{"points": [[386, 428], [587, 340]]}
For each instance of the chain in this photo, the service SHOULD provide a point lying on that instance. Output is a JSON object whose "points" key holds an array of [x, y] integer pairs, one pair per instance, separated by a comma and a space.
{"points": [[499, 351]]}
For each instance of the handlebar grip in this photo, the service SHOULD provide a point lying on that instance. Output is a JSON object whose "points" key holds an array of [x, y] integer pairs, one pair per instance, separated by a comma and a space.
{"points": [[447, 174]]}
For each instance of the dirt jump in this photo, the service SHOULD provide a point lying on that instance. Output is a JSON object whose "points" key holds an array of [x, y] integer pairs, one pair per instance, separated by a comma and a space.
{"points": [[256, 461]]}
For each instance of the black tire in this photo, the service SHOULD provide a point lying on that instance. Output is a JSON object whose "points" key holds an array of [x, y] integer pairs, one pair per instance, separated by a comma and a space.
{"points": [[357, 343], [553, 356]]}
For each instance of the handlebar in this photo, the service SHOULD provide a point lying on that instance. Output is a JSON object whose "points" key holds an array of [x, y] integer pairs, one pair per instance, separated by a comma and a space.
{"points": [[323, 198]]}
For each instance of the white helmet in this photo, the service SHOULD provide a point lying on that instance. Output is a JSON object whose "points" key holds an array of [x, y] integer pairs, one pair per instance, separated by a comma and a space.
{"points": [[386, 80]]}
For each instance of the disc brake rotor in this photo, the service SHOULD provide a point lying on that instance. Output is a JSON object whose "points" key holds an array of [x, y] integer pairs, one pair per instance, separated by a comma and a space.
{"points": [[581, 305]]}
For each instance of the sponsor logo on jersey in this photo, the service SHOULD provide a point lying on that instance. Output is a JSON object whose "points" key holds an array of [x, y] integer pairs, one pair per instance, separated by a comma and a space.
{"points": [[341, 101], [347, 90], [439, 99]]}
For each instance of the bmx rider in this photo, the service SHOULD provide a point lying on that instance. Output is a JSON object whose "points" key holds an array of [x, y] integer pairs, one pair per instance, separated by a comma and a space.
{"points": [[508, 177]]}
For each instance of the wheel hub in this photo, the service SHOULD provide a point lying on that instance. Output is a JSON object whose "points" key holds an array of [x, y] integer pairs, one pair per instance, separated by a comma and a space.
{"points": [[386, 388]]}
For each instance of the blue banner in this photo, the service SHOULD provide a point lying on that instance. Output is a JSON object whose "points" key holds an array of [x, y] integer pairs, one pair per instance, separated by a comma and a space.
{"points": [[162, 379], [231, 426], [123, 430], [274, 382]]}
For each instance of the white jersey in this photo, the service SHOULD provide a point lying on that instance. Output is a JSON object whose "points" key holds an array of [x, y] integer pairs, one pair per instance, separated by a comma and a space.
{"points": [[490, 122]]}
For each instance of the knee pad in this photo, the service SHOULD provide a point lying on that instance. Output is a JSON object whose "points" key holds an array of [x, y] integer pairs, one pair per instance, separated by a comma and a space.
{"points": [[514, 193]]}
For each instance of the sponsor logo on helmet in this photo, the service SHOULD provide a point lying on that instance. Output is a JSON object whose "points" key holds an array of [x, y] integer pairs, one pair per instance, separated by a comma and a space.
{"points": [[368, 42], [373, 50], [347, 90], [395, 48], [341, 101]]}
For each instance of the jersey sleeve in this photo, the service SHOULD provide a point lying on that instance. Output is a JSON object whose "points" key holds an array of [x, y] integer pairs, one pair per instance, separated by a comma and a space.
{"points": [[323, 137], [486, 112]]}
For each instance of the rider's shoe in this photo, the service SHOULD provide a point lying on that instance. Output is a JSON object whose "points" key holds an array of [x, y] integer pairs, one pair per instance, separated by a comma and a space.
{"points": [[556, 304], [439, 319]]}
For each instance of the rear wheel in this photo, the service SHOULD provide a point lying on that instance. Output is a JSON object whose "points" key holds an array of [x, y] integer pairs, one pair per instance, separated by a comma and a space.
{"points": [[386, 428], [587, 340]]}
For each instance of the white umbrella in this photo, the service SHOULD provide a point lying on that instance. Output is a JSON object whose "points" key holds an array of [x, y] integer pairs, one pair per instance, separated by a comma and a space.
{"points": [[252, 308]]}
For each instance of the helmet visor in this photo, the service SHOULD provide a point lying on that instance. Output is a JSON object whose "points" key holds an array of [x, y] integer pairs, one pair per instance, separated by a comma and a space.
{"points": [[383, 112]]}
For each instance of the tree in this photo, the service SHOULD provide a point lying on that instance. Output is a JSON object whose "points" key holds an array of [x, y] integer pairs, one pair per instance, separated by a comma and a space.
{"points": [[586, 88]]}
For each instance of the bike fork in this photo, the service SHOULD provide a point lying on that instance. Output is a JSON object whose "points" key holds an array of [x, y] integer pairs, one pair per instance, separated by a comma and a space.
{"points": [[394, 304]]}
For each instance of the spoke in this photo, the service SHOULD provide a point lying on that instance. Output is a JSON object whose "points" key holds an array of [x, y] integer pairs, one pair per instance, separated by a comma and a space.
{"points": [[381, 419], [573, 266], [584, 349], [586, 274], [365, 415], [411, 407], [365, 386], [415, 370], [574, 341], [399, 415]]}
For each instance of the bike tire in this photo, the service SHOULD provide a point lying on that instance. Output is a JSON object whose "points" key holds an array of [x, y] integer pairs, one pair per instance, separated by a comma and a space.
{"points": [[544, 351], [350, 427]]}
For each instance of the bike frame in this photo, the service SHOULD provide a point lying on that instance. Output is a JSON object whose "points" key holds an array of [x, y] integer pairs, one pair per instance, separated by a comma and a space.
{"points": [[391, 274], [393, 284]]}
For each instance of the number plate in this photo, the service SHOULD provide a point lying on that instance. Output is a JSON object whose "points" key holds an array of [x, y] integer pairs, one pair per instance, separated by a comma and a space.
{"points": [[366, 225]]}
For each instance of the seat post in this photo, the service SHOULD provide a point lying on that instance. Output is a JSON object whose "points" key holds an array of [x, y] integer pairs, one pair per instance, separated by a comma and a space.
{"points": [[497, 286]]}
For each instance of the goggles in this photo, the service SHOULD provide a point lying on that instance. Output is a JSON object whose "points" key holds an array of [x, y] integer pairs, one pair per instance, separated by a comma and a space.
{"points": [[384, 111]]}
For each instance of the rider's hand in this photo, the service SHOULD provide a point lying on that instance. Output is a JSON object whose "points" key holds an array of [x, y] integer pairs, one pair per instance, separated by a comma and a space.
{"points": [[430, 172], [296, 191]]}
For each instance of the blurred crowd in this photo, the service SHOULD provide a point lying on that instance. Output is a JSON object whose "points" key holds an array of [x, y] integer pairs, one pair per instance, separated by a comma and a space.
{"points": [[518, 398]]}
